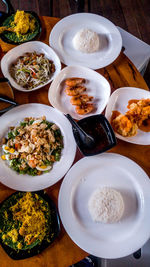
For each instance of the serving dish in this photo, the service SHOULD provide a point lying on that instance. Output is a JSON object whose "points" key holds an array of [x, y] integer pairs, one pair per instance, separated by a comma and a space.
{"points": [[98, 127], [106, 240], [97, 86], [11, 37], [62, 34], [36, 247], [34, 46], [24, 182], [119, 101]]}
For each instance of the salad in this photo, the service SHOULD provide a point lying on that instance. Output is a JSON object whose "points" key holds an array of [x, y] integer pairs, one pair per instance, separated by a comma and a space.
{"points": [[32, 70], [33, 146]]}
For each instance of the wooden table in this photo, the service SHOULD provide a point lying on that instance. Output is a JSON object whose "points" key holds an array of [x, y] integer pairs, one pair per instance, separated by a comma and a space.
{"points": [[63, 252]]}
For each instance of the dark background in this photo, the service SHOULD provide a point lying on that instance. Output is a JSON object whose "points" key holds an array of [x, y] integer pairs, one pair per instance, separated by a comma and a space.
{"points": [[131, 15]]}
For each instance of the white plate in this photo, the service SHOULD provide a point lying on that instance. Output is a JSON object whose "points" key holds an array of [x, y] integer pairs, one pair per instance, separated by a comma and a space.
{"points": [[119, 101], [97, 86], [32, 183], [20, 50], [64, 31], [106, 240]]}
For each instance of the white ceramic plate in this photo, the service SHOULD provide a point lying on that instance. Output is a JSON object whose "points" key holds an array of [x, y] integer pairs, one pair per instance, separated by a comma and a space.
{"points": [[119, 101], [20, 50], [97, 86], [32, 183], [106, 240], [61, 40]]}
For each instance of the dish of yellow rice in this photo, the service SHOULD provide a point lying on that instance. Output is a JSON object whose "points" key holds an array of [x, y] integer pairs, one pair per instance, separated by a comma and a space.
{"points": [[28, 224], [23, 26]]}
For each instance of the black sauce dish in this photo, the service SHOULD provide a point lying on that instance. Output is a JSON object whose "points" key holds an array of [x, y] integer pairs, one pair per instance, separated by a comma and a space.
{"points": [[98, 127]]}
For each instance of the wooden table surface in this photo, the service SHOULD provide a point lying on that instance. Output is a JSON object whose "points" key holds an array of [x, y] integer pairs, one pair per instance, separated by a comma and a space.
{"points": [[121, 73]]}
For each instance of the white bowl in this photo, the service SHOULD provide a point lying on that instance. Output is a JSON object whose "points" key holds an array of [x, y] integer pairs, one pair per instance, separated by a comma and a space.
{"points": [[20, 50]]}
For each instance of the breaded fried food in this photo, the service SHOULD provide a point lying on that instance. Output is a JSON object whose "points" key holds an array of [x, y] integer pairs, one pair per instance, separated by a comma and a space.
{"points": [[137, 116], [123, 125], [139, 111]]}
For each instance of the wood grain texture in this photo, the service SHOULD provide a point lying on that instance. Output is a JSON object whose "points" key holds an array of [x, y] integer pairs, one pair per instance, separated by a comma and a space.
{"points": [[63, 252], [131, 15]]}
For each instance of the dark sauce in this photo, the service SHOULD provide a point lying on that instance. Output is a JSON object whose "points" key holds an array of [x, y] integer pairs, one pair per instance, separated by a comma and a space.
{"points": [[99, 128]]}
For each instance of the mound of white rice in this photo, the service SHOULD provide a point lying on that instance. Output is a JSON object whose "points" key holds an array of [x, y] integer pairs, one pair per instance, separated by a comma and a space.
{"points": [[106, 205], [87, 41]]}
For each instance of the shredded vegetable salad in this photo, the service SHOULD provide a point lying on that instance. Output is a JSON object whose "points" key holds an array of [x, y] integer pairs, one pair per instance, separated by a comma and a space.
{"points": [[33, 146], [32, 70]]}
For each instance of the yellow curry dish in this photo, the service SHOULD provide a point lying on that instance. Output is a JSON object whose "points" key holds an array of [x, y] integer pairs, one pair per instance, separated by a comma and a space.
{"points": [[23, 22], [26, 221], [20, 27]]}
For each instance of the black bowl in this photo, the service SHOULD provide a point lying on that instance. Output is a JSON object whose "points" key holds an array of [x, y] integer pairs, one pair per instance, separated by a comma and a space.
{"points": [[7, 18], [100, 129], [54, 231]]}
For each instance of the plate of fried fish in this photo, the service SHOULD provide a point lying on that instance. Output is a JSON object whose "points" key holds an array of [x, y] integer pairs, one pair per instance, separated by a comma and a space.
{"points": [[128, 111]]}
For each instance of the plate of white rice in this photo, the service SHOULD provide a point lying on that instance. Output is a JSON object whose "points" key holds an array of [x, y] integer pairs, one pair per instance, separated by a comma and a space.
{"points": [[86, 39], [104, 205]]}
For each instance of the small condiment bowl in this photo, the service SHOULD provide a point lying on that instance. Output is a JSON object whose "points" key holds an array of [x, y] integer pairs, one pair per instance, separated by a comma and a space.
{"points": [[98, 127]]}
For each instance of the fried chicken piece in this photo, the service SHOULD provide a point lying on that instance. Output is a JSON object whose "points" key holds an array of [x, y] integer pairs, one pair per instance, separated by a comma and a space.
{"points": [[139, 111], [124, 126]]}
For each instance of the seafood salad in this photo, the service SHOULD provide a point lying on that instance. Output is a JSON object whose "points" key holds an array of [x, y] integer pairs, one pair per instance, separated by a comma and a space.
{"points": [[33, 146], [32, 70], [137, 117], [75, 89]]}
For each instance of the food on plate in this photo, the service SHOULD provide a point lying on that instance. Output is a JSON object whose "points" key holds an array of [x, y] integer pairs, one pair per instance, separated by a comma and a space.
{"points": [[123, 125], [75, 90], [32, 70], [33, 146], [21, 26], [137, 117], [106, 205], [139, 110], [86, 41], [74, 81], [22, 23], [25, 221], [81, 101], [84, 108]]}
